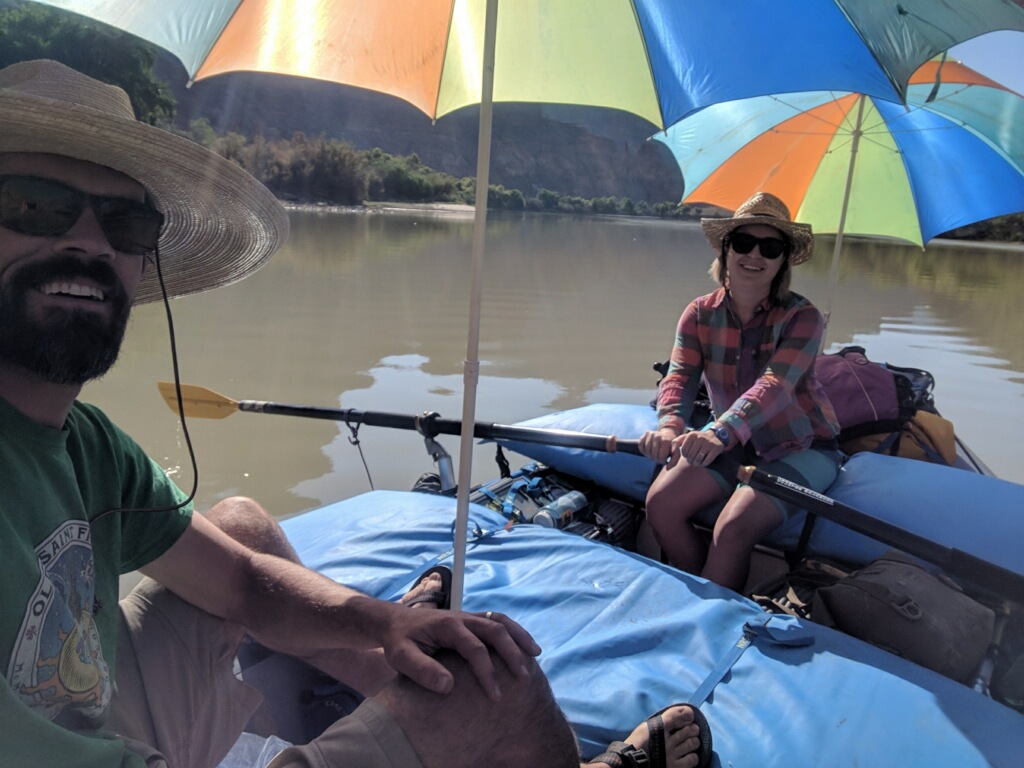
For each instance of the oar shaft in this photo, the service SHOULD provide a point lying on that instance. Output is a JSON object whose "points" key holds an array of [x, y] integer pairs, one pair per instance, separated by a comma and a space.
{"points": [[348, 415], [429, 424], [958, 563]]}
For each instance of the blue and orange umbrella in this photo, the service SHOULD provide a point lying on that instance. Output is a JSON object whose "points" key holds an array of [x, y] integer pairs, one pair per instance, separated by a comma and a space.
{"points": [[952, 155], [660, 59]]}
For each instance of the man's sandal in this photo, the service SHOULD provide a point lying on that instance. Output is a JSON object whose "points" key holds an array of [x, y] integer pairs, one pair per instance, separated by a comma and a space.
{"points": [[442, 598], [622, 755]]}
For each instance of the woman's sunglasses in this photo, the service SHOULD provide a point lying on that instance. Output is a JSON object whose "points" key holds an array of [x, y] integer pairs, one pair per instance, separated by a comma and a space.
{"points": [[31, 205], [770, 247]]}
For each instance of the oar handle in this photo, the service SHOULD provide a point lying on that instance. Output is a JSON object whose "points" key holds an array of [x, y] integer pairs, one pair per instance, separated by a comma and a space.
{"points": [[561, 438], [431, 425], [956, 562]]}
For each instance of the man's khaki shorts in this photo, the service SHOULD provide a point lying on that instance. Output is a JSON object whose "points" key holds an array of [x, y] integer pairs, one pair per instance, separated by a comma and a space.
{"points": [[368, 738], [178, 703]]}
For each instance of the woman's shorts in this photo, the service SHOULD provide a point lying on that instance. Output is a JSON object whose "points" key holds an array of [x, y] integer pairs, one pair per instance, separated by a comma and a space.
{"points": [[815, 468]]}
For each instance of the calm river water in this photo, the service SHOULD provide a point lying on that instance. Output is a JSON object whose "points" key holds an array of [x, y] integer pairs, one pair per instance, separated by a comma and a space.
{"points": [[370, 311]]}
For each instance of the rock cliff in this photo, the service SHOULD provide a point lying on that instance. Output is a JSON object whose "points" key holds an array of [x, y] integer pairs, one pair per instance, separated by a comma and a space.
{"points": [[571, 150]]}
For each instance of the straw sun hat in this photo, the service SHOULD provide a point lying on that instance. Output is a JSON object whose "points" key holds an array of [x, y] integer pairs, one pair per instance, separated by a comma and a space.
{"points": [[763, 208], [221, 224]]}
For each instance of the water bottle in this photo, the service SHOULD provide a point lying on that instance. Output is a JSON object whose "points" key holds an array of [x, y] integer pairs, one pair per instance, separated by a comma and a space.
{"points": [[560, 512]]}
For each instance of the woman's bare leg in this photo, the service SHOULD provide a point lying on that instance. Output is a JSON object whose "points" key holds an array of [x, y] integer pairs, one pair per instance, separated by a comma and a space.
{"points": [[676, 495], [748, 517]]}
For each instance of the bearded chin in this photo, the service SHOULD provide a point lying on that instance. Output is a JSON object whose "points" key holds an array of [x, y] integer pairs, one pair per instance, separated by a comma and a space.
{"points": [[66, 347]]}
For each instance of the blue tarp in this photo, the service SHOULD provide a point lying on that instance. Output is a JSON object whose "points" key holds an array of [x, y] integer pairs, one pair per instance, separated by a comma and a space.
{"points": [[624, 636]]}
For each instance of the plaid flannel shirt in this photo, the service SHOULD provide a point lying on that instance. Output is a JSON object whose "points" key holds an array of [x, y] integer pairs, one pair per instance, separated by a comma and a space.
{"points": [[760, 376]]}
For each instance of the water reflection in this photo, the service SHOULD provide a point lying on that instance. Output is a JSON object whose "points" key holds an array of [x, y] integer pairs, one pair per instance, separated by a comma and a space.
{"points": [[371, 310], [393, 381], [976, 288]]}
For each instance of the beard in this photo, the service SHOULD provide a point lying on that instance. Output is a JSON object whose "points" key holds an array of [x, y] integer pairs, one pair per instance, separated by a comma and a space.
{"points": [[64, 346]]}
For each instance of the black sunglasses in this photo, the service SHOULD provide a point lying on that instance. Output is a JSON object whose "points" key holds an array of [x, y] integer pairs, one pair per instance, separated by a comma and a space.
{"points": [[31, 205], [770, 247]]}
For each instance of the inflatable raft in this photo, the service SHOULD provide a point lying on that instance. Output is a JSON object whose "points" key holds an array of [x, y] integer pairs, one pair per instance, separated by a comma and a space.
{"points": [[624, 635]]}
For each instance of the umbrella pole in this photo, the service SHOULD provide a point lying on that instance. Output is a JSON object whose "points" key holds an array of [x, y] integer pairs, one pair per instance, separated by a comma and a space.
{"points": [[833, 275], [472, 364]]}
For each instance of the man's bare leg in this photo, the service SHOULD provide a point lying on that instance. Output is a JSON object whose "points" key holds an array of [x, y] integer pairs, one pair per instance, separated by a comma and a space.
{"points": [[247, 522]]}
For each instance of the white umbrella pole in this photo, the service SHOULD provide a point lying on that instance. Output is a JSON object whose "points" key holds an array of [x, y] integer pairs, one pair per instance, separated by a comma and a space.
{"points": [[833, 275], [472, 363]]}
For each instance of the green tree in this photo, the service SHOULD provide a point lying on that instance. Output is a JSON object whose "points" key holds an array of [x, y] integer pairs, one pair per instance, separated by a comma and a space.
{"points": [[408, 179], [605, 205], [201, 132], [31, 31], [575, 204], [500, 198], [547, 199]]}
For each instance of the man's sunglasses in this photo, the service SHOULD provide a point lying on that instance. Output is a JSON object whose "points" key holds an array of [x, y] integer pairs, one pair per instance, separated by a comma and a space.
{"points": [[31, 205], [770, 247]]}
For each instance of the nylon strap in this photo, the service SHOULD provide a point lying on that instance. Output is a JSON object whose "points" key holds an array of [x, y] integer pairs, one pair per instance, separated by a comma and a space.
{"points": [[754, 630]]}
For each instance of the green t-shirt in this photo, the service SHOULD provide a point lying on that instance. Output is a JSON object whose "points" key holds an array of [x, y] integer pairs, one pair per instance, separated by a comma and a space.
{"points": [[60, 562]]}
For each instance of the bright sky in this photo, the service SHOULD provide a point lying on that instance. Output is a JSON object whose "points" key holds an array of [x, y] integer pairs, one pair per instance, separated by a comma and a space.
{"points": [[999, 55]]}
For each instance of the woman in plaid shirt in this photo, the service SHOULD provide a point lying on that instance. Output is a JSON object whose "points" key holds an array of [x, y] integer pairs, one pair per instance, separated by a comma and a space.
{"points": [[753, 341]]}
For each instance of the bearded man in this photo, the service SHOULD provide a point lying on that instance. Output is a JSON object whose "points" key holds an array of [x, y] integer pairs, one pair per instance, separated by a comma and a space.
{"points": [[99, 212]]}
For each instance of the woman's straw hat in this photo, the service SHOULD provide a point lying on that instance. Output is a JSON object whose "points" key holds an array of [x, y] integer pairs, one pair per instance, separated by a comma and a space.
{"points": [[763, 208], [221, 224]]}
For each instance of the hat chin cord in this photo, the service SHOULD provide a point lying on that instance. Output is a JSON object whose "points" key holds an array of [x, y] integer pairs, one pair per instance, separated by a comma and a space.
{"points": [[181, 406]]}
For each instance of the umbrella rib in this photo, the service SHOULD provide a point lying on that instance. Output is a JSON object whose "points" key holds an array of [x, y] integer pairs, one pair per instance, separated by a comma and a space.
{"points": [[926, 130], [782, 132], [863, 137], [836, 126], [943, 97]]}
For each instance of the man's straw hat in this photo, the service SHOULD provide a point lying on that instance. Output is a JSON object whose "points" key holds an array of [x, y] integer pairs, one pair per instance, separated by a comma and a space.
{"points": [[221, 224], [763, 208]]}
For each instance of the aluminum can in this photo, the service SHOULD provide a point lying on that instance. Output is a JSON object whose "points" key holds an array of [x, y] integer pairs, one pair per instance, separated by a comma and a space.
{"points": [[562, 511]]}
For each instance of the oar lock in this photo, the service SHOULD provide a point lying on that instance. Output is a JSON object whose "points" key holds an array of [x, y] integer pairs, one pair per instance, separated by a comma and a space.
{"points": [[426, 424]]}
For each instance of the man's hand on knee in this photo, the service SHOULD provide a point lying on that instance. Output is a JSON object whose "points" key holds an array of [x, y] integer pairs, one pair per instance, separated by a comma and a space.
{"points": [[413, 637]]}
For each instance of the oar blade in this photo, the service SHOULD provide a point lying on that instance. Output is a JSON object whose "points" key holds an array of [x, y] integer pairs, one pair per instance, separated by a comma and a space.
{"points": [[199, 402]]}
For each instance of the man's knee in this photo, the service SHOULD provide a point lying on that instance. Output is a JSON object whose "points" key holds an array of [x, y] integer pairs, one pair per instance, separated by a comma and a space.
{"points": [[249, 523], [526, 727]]}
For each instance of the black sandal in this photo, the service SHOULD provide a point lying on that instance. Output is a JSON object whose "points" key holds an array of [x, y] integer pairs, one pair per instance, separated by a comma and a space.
{"points": [[441, 598], [622, 755]]}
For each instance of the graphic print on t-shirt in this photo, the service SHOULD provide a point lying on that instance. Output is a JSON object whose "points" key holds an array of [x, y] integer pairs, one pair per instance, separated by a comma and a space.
{"points": [[57, 661]]}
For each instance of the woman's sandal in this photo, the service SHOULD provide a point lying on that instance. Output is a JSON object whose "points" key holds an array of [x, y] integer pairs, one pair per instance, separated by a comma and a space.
{"points": [[622, 755]]}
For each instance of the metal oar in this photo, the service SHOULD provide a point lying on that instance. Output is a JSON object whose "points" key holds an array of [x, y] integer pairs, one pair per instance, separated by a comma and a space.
{"points": [[203, 403], [982, 573]]}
